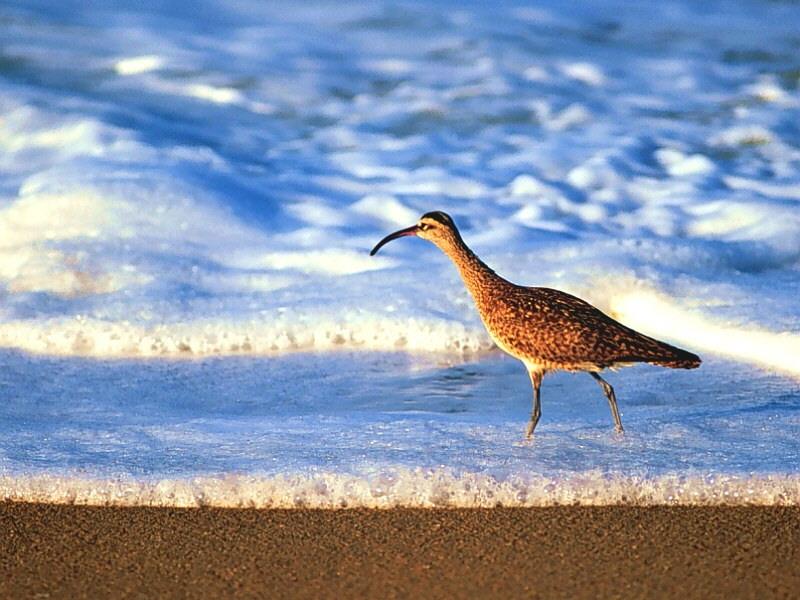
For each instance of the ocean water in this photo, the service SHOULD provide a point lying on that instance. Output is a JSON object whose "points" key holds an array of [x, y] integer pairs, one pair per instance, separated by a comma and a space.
{"points": [[189, 314]]}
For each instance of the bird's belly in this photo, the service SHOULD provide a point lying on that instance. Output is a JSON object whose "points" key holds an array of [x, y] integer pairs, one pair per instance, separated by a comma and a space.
{"points": [[504, 346], [532, 362]]}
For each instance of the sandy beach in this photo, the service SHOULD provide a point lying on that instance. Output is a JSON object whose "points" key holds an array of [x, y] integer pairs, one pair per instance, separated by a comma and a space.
{"points": [[57, 551]]}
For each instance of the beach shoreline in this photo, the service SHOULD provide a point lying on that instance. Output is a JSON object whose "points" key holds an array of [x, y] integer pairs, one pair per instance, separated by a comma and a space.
{"points": [[59, 551]]}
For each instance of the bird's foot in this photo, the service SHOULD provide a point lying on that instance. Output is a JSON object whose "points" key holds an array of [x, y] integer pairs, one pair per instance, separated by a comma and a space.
{"points": [[531, 426]]}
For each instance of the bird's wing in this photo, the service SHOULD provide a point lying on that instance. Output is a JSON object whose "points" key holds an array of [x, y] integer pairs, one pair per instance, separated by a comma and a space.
{"points": [[560, 327]]}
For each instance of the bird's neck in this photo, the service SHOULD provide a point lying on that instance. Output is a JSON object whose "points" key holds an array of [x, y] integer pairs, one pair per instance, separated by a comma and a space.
{"points": [[476, 274]]}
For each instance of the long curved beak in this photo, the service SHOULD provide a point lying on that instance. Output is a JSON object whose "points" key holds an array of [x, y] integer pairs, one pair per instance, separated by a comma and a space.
{"points": [[393, 236]]}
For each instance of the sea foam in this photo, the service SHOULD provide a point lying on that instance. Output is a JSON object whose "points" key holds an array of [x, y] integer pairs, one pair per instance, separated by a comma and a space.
{"points": [[413, 488]]}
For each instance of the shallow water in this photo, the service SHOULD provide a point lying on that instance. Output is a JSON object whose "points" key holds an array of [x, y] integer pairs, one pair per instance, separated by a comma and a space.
{"points": [[377, 429], [208, 183]]}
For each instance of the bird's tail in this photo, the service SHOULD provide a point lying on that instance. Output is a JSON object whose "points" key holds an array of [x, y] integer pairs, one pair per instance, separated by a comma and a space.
{"points": [[655, 352], [679, 364], [677, 358]]}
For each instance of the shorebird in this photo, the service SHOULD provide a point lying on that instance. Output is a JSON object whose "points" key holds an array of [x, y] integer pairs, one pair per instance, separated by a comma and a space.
{"points": [[548, 330]]}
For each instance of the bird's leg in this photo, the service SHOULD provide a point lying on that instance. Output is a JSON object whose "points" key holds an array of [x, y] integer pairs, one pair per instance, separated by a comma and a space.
{"points": [[536, 380], [612, 400]]}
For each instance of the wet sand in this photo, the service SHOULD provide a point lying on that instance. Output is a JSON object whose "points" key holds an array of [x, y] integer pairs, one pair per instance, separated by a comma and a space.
{"points": [[49, 551]]}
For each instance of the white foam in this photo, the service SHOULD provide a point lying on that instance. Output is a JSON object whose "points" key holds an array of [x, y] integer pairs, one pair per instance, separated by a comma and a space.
{"points": [[135, 65], [743, 135], [765, 188], [536, 73], [215, 94], [29, 260], [767, 89], [55, 216], [54, 212], [678, 164], [573, 115], [66, 274], [328, 261], [317, 212], [433, 181], [31, 138], [280, 331], [385, 208], [422, 488], [389, 66], [738, 220], [584, 72]]}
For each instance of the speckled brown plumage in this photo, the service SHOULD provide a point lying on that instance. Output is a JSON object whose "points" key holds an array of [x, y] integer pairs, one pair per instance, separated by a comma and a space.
{"points": [[546, 329]]}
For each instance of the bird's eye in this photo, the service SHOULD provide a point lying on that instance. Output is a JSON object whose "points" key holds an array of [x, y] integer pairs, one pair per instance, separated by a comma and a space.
{"points": [[424, 227]]}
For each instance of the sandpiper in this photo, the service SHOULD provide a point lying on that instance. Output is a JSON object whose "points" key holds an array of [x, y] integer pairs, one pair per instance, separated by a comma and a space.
{"points": [[548, 330]]}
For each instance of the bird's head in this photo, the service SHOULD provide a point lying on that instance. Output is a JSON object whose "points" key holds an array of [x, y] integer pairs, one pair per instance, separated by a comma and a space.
{"points": [[436, 227]]}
